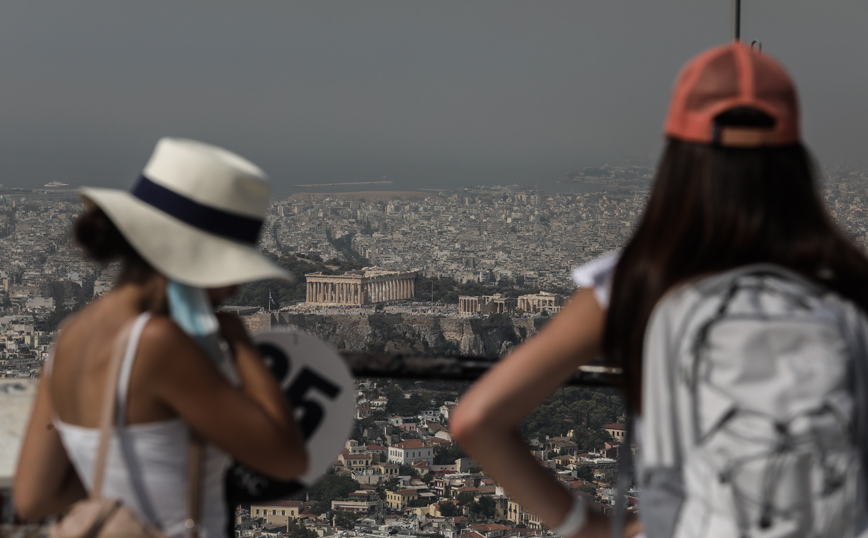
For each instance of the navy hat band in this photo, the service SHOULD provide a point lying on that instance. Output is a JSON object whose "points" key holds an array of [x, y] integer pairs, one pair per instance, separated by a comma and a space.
{"points": [[208, 219]]}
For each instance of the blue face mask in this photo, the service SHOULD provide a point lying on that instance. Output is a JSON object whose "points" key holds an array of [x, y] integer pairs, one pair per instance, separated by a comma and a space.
{"points": [[191, 309]]}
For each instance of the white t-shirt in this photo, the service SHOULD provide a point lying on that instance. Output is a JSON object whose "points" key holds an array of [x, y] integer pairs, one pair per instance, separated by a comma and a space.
{"points": [[597, 274]]}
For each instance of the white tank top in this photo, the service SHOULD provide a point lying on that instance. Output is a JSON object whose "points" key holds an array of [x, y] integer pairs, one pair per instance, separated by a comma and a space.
{"points": [[146, 465]]}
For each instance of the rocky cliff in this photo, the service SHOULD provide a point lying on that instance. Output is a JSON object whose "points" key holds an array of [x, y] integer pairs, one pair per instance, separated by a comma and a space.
{"points": [[481, 336]]}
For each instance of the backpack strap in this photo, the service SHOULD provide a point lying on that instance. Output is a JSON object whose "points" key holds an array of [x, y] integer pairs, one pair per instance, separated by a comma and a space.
{"points": [[710, 281]]}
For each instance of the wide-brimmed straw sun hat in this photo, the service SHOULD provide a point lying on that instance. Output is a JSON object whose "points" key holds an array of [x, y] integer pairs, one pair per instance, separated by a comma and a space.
{"points": [[194, 214]]}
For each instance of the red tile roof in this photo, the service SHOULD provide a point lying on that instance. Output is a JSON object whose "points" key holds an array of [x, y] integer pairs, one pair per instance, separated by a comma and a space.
{"points": [[412, 443], [286, 504]]}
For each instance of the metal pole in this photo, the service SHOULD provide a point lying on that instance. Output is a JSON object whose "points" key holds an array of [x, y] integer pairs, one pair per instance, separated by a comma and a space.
{"points": [[736, 20], [460, 368]]}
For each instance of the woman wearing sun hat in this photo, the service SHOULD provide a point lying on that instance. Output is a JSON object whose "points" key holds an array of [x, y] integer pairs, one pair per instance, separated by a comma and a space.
{"points": [[186, 237], [734, 188]]}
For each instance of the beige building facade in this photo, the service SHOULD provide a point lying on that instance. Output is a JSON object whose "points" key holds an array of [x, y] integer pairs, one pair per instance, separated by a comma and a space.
{"points": [[397, 500], [361, 287], [276, 512], [516, 514]]}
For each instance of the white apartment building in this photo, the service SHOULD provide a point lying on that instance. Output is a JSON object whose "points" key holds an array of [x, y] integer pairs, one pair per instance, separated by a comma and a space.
{"points": [[411, 451]]}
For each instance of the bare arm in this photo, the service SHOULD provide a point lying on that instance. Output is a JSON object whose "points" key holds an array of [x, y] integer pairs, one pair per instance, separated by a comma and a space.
{"points": [[45, 481], [253, 423], [486, 418]]}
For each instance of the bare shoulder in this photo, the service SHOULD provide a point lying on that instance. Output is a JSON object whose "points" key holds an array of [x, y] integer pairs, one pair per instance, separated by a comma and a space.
{"points": [[77, 327], [162, 334]]}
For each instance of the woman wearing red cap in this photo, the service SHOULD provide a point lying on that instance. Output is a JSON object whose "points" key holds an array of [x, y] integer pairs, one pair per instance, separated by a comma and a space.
{"points": [[734, 189]]}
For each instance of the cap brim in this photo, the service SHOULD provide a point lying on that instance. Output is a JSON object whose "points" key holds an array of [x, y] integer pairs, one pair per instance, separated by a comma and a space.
{"points": [[180, 251]]}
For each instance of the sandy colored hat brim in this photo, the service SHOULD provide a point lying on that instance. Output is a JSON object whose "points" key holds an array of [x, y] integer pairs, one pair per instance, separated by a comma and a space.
{"points": [[182, 252]]}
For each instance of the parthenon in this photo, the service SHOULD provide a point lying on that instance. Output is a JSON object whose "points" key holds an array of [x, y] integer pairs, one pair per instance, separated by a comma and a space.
{"points": [[361, 287]]}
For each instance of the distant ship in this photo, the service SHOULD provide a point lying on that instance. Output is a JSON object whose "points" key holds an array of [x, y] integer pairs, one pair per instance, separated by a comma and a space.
{"points": [[55, 184]]}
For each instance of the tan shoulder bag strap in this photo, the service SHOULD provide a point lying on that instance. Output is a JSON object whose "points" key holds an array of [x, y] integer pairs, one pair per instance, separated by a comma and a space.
{"points": [[194, 483]]}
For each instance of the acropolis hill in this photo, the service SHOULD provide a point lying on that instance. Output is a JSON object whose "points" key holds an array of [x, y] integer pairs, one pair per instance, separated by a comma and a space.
{"points": [[489, 336]]}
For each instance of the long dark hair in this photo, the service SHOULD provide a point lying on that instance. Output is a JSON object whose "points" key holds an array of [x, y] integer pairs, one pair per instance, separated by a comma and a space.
{"points": [[713, 209], [103, 243]]}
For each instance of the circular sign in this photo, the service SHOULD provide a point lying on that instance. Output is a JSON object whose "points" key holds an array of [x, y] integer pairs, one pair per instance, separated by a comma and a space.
{"points": [[320, 386]]}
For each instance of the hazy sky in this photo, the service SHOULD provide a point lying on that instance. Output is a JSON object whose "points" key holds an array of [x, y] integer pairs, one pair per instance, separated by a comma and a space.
{"points": [[423, 93]]}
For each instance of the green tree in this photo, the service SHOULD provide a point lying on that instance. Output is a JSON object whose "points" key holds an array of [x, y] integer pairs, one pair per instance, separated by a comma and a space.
{"points": [[484, 508], [330, 487], [588, 439], [55, 318], [589, 489], [407, 470], [464, 498], [448, 509], [375, 346], [584, 472], [344, 520], [297, 530], [447, 454], [397, 404]]}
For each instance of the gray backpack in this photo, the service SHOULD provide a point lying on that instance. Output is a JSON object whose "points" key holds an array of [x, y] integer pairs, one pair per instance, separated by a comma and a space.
{"points": [[754, 410]]}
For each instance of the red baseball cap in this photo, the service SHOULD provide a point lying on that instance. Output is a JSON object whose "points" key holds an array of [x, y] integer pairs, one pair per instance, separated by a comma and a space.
{"points": [[728, 77]]}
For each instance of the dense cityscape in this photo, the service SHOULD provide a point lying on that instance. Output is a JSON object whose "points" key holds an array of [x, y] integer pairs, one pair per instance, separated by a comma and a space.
{"points": [[400, 473]]}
